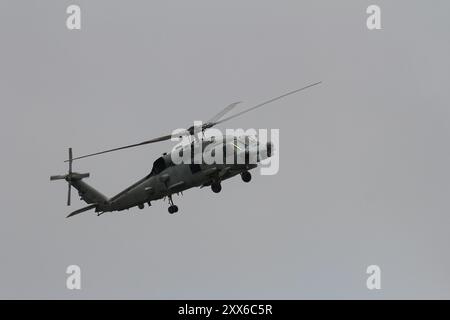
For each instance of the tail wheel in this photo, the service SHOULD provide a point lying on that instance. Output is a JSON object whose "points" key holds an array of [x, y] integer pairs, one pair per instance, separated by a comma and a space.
{"points": [[216, 187]]}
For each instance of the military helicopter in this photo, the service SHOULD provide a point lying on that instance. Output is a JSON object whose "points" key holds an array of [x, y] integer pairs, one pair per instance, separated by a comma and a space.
{"points": [[169, 177]]}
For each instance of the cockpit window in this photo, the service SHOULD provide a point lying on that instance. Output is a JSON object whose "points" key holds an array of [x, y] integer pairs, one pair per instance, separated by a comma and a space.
{"points": [[239, 145]]}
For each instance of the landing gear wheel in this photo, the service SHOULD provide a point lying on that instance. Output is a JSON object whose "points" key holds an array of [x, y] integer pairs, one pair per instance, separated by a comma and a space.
{"points": [[216, 187], [172, 209], [246, 176]]}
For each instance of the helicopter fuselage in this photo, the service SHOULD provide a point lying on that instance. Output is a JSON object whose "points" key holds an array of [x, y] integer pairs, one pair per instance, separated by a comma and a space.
{"points": [[172, 181], [168, 178]]}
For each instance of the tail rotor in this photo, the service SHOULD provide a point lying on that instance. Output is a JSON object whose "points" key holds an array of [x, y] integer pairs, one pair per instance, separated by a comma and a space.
{"points": [[70, 177], [69, 190]]}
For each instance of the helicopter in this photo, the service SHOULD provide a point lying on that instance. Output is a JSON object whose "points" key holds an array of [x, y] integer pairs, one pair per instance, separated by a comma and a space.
{"points": [[169, 175]]}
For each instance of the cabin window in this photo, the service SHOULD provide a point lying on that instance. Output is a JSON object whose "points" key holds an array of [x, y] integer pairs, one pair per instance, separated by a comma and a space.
{"points": [[195, 168], [159, 165]]}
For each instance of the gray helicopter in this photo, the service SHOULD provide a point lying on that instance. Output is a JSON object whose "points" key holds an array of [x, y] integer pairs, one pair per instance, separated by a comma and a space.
{"points": [[169, 177]]}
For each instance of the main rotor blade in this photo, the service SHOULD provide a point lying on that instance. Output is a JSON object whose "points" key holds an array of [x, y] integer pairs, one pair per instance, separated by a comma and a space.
{"points": [[163, 138], [266, 102], [68, 194], [210, 124], [227, 109]]}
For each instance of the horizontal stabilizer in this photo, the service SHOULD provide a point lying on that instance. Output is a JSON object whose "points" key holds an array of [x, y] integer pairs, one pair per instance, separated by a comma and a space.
{"points": [[92, 206], [59, 177]]}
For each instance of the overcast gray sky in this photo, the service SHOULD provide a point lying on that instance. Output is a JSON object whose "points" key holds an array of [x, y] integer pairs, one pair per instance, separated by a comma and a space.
{"points": [[364, 158]]}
